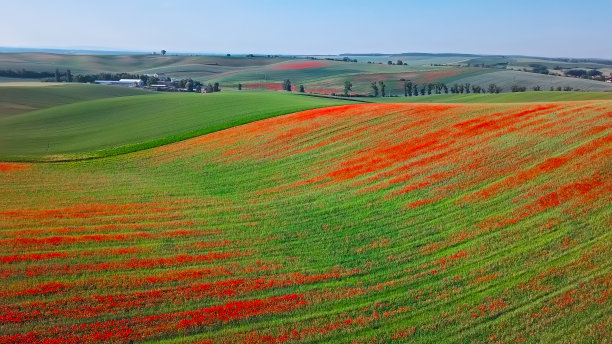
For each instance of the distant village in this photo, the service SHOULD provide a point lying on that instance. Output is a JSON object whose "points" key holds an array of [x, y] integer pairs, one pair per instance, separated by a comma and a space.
{"points": [[161, 82]]}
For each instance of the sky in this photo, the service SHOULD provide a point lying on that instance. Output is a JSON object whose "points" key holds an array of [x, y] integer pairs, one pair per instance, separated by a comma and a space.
{"points": [[549, 28]]}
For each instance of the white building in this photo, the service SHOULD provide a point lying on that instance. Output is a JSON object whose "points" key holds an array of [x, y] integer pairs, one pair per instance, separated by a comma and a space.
{"points": [[121, 82]]}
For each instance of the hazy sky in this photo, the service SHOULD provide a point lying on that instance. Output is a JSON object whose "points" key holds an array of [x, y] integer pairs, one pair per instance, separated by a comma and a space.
{"points": [[529, 27]]}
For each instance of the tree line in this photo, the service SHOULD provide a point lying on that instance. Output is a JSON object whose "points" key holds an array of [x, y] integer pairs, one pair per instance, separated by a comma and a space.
{"points": [[25, 74], [412, 89]]}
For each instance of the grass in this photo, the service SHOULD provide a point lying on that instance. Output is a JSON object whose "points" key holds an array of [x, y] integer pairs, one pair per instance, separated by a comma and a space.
{"points": [[516, 97], [93, 64], [507, 78], [114, 126], [377, 223], [16, 98]]}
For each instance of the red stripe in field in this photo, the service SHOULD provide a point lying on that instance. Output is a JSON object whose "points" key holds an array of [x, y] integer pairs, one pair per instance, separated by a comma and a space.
{"points": [[271, 86], [584, 191], [419, 203], [87, 307], [142, 327], [548, 166], [7, 167], [300, 65], [32, 257], [97, 209], [134, 263]]}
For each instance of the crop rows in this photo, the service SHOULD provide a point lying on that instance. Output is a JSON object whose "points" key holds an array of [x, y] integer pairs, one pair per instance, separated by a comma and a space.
{"points": [[358, 223]]}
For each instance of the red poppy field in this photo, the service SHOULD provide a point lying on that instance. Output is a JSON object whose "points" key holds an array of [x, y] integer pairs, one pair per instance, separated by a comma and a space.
{"points": [[367, 223]]}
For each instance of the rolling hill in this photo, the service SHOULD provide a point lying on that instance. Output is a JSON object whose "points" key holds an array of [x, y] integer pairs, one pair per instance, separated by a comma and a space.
{"points": [[367, 223], [324, 75], [16, 98], [122, 124]]}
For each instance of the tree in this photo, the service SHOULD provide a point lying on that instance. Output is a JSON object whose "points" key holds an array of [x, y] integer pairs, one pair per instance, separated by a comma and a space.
{"points": [[302, 90], [152, 80], [68, 76], [445, 89], [400, 62], [286, 85], [578, 73], [348, 87], [189, 86], [423, 89], [382, 88], [57, 75], [216, 87], [429, 88], [209, 88], [493, 88], [407, 87], [537, 88], [239, 87], [389, 62], [163, 52], [374, 89], [467, 87], [415, 90]]}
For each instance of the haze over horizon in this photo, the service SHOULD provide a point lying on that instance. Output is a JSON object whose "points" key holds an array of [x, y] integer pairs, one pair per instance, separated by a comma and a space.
{"points": [[546, 28]]}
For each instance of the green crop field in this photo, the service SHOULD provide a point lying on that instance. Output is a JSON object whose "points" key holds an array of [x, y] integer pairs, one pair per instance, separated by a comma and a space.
{"points": [[506, 78], [16, 98], [515, 97], [318, 76], [175, 66], [365, 223], [122, 124]]}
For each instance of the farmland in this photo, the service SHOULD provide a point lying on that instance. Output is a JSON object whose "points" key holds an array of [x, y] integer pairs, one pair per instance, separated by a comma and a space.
{"points": [[356, 223], [116, 125], [26, 97], [323, 75], [514, 97]]}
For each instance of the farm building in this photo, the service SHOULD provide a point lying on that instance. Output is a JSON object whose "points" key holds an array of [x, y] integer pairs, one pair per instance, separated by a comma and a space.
{"points": [[121, 82]]}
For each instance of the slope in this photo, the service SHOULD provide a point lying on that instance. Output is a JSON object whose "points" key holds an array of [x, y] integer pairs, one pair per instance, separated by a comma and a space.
{"points": [[377, 223], [24, 98], [118, 125]]}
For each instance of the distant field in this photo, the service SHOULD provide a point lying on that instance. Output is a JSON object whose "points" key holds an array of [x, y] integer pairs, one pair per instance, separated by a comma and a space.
{"points": [[175, 66], [318, 76], [518, 97], [507, 78], [370, 223], [117, 125], [16, 98]]}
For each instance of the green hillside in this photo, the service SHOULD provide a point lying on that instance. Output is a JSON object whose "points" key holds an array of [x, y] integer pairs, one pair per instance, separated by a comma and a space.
{"points": [[371, 223], [175, 66], [24, 98], [117, 125], [514, 97], [506, 78]]}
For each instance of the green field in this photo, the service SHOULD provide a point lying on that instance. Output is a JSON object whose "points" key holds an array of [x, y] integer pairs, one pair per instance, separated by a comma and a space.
{"points": [[175, 66], [515, 97], [117, 125], [367, 223], [254, 71], [16, 98]]}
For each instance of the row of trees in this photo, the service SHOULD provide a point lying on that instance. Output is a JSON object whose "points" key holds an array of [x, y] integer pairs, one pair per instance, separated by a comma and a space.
{"points": [[25, 74], [412, 89]]}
